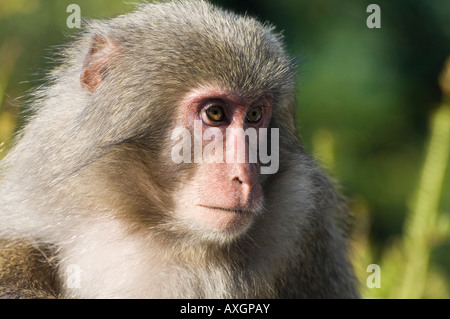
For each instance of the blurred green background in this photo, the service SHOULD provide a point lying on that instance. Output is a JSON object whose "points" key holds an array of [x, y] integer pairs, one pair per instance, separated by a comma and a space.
{"points": [[373, 107]]}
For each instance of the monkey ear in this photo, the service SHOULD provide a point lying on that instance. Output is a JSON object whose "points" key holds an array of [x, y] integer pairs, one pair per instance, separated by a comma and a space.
{"points": [[97, 61]]}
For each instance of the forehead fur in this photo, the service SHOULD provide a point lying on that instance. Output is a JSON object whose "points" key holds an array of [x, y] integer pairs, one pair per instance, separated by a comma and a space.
{"points": [[190, 42]]}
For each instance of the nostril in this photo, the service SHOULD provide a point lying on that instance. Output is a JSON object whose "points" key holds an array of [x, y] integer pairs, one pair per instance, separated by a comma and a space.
{"points": [[244, 174]]}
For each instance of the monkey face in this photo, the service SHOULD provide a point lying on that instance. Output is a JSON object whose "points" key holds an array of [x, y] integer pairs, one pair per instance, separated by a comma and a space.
{"points": [[194, 123], [225, 193]]}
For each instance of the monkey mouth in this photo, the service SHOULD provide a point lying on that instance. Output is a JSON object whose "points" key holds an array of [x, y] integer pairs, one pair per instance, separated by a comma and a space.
{"points": [[228, 220], [241, 211]]}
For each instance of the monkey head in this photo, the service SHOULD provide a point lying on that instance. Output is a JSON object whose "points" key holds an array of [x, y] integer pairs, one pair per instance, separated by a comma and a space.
{"points": [[222, 80]]}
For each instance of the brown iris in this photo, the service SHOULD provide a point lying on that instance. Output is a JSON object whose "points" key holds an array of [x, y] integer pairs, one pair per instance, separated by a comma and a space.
{"points": [[254, 115], [215, 113]]}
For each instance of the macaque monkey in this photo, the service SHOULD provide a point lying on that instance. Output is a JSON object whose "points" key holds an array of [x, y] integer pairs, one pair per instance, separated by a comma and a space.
{"points": [[103, 197]]}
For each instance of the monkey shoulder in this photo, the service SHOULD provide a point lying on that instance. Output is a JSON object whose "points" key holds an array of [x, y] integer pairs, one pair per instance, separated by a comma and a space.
{"points": [[26, 271]]}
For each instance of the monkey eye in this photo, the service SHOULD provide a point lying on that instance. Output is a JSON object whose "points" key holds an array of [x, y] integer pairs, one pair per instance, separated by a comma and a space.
{"points": [[215, 113], [254, 115]]}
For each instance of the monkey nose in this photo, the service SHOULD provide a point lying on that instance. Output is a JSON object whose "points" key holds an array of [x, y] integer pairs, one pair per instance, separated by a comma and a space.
{"points": [[249, 190], [245, 177], [246, 181]]}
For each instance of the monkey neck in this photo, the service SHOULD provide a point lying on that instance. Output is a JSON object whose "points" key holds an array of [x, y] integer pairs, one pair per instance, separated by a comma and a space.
{"points": [[114, 260]]}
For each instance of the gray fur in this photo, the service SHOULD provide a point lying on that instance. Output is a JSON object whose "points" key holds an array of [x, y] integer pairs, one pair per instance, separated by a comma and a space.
{"points": [[65, 182]]}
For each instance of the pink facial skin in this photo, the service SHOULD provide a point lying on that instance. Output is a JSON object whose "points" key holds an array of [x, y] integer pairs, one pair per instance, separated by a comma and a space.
{"points": [[224, 197]]}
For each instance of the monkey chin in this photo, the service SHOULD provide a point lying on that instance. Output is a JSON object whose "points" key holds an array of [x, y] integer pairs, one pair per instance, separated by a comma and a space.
{"points": [[216, 224], [224, 220], [217, 218]]}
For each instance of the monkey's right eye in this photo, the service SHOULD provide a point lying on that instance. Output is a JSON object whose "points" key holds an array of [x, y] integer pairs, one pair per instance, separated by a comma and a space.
{"points": [[215, 113]]}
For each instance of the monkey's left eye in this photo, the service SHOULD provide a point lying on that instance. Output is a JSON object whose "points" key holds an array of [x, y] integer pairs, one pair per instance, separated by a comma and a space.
{"points": [[254, 115]]}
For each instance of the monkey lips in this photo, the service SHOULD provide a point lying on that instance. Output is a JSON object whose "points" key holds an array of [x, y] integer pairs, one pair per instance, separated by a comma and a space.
{"points": [[231, 215]]}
